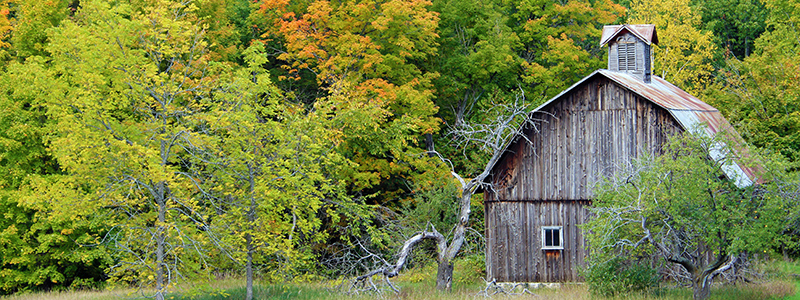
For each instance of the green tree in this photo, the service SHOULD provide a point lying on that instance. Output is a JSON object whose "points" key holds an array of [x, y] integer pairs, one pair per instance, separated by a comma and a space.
{"points": [[38, 249], [275, 173], [561, 41], [760, 93], [5, 28], [363, 55], [735, 23], [682, 208], [130, 130], [32, 20]]}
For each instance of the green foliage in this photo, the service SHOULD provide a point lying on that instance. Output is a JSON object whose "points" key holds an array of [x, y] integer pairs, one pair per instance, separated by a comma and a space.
{"points": [[38, 249], [33, 19], [437, 205], [470, 268], [275, 172], [561, 41], [760, 93], [129, 125], [495, 46], [618, 276], [5, 28], [680, 204], [362, 55], [43, 251], [735, 23], [685, 51], [129, 134]]}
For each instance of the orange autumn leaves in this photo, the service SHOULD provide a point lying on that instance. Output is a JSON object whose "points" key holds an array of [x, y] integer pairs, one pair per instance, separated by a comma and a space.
{"points": [[5, 24], [364, 55], [368, 39]]}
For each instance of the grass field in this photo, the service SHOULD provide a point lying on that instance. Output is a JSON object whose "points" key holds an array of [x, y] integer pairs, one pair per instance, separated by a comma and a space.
{"points": [[783, 282]]}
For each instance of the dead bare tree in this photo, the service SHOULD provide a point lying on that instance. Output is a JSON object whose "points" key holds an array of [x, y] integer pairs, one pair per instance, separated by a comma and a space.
{"points": [[509, 123]]}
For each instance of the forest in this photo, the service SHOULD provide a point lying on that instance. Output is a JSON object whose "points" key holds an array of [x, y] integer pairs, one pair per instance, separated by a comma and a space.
{"points": [[150, 143]]}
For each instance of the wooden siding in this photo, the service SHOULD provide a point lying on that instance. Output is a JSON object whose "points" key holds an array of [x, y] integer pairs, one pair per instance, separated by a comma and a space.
{"points": [[515, 236], [580, 138], [613, 57]]}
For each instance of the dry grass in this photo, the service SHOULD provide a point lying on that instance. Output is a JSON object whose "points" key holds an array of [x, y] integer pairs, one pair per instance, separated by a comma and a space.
{"points": [[73, 295], [422, 291], [776, 289], [125, 293], [419, 284]]}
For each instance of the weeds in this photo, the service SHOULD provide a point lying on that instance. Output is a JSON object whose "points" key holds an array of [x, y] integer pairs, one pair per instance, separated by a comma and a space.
{"points": [[419, 284]]}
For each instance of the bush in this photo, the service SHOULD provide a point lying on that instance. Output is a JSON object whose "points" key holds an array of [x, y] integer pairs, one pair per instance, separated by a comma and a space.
{"points": [[619, 276], [470, 268]]}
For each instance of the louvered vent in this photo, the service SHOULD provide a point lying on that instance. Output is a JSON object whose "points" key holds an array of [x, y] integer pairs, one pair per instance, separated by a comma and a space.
{"points": [[630, 49], [627, 56]]}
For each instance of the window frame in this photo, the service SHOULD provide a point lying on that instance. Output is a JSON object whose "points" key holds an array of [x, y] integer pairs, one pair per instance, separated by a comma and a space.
{"points": [[560, 237]]}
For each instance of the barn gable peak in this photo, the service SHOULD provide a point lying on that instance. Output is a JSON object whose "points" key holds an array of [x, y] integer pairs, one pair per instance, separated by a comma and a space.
{"points": [[629, 49]]}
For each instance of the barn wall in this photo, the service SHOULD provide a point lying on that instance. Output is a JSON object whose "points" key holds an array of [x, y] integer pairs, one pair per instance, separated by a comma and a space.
{"points": [[578, 141], [580, 138], [515, 254]]}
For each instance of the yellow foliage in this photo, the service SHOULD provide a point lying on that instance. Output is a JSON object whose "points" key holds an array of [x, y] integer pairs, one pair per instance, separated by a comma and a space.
{"points": [[683, 56]]}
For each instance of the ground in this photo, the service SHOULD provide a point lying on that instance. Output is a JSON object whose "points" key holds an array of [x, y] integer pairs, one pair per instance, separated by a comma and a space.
{"points": [[782, 281]]}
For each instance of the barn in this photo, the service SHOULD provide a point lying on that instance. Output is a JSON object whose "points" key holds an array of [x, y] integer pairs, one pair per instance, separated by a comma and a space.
{"points": [[541, 185]]}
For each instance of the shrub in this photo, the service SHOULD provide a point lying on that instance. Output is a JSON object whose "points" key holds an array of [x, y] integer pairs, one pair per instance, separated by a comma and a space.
{"points": [[619, 276]]}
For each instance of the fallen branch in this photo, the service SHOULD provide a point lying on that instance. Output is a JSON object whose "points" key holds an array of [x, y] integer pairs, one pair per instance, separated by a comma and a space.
{"points": [[493, 288], [390, 271]]}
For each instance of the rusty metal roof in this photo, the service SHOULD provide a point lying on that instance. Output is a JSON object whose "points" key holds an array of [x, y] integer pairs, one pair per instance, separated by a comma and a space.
{"points": [[690, 112], [646, 32]]}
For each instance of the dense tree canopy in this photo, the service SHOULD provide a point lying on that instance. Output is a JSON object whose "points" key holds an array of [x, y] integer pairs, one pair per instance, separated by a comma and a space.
{"points": [[150, 141]]}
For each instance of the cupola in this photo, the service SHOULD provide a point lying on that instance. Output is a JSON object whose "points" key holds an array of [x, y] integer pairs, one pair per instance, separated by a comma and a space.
{"points": [[629, 49]]}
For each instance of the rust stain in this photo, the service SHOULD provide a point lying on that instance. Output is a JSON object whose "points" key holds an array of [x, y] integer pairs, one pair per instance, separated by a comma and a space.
{"points": [[689, 111], [646, 32]]}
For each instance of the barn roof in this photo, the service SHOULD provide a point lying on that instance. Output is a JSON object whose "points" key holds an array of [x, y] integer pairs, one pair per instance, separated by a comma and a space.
{"points": [[689, 111], [646, 32]]}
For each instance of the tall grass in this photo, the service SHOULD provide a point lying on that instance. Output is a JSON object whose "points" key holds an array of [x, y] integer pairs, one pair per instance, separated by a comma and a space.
{"points": [[788, 271], [419, 283]]}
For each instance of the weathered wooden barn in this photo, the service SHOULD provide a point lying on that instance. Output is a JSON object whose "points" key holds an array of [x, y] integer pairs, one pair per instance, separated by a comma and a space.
{"points": [[541, 186]]}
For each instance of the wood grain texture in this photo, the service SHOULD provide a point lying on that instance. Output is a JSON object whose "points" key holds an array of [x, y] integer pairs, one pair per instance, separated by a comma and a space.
{"points": [[580, 138]]}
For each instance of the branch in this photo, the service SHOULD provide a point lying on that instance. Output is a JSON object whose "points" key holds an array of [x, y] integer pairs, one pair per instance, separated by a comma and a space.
{"points": [[722, 268], [392, 270]]}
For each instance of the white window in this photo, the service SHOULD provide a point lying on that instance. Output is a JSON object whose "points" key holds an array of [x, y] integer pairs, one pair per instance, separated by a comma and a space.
{"points": [[552, 238]]}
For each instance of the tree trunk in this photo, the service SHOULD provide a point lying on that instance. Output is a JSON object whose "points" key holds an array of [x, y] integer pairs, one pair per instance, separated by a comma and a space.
{"points": [[248, 238], [429, 145], [701, 279], [444, 276], [249, 266], [160, 240], [701, 287], [785, 254]]}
